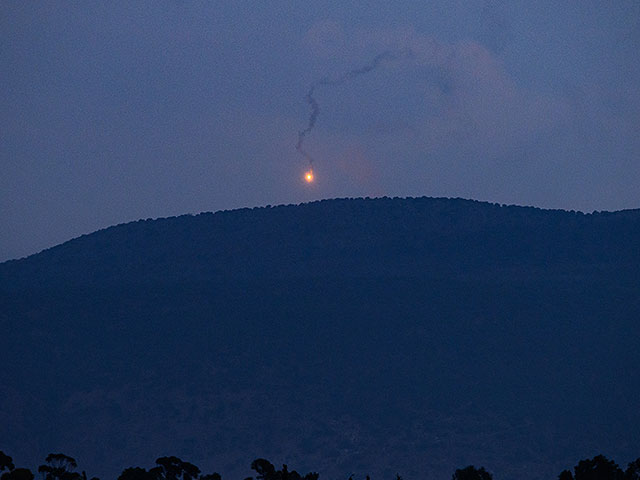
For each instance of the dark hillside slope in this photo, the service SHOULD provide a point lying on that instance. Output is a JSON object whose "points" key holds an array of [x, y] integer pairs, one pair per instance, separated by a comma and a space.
{"points": [[350, 336], [352, 237]]}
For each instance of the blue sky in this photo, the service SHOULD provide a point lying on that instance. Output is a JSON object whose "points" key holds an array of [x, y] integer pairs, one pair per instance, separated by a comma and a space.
{"points": [[114, 111]]}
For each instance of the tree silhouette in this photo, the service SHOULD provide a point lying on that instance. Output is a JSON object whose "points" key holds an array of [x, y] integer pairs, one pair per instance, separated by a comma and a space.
{"points": [[137, 473], [211, 476], [633, 470], [18, 474], [59, 467], [13, 473], [172, 468], [472, 473], [598, 468], [168, 468], [6, 462], [266, 471]]}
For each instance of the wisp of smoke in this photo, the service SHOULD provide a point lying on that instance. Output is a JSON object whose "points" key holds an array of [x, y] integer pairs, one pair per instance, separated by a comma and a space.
{"points": [[329, 81]]}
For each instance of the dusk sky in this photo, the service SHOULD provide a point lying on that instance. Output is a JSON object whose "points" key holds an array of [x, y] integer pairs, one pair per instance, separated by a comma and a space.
{"points": [[115, 111]]}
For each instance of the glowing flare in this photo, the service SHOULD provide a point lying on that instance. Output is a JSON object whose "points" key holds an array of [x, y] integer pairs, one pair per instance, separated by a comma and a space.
{"points": [[308, 176]]}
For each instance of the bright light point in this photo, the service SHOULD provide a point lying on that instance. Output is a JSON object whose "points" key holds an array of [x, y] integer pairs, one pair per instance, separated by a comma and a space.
{"points": [[309, 176]]}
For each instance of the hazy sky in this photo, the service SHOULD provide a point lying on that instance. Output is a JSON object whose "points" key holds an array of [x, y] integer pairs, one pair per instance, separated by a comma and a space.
{"points": [[114, 111]]}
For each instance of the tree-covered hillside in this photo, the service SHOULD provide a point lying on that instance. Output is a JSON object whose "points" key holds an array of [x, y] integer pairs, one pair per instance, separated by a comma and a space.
{"points": [[357, 334]]}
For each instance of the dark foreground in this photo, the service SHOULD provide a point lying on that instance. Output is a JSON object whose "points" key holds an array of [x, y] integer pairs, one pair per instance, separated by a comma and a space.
{"points": [[59, 466], [376, 337]]}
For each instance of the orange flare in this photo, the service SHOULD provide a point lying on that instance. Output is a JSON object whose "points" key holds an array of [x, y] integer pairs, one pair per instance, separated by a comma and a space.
{"points": [[308, 176]]}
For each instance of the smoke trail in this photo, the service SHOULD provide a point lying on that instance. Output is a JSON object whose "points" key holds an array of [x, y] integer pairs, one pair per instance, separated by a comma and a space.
{"points": [[315, 111], [345, 77]]}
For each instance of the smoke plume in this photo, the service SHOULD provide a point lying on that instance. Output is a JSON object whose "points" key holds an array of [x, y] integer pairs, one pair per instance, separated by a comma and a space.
{"points": [[335, 81]]}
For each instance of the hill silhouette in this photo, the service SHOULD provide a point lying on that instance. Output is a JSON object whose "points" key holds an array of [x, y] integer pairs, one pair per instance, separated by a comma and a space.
{"points": [[348, 336]]}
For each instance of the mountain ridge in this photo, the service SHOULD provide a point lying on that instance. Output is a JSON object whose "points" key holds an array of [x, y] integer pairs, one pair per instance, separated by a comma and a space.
{"points": [[337, 199], [625, 211], [265, 220]]}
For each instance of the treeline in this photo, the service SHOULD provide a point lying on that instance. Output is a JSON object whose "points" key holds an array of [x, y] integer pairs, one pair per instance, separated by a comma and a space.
{"points": [[59, 466]]}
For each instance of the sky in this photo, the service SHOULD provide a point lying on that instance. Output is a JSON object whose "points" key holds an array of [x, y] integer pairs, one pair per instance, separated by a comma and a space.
{"points": [[115, 111]]}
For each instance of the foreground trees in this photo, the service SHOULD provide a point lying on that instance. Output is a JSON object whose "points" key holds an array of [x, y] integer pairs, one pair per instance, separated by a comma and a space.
{"points": [[633, 471], [601, 468], [266, 471], [59, 466], [13, 473], [472, 473], [168, 468]]}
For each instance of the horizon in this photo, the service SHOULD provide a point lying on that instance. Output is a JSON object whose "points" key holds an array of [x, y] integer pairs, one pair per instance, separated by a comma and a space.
{"points": [[310, 202]]}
